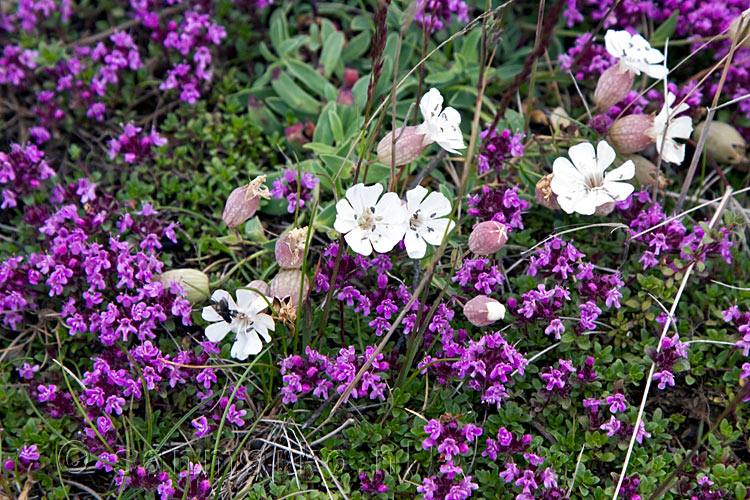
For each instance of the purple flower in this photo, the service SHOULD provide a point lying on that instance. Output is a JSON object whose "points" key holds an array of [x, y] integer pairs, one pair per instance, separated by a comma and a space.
{"points": [[28, 454], [497, 149], [201, 427], [295, 187], [26, 371], [498, 204], [433, 15]]}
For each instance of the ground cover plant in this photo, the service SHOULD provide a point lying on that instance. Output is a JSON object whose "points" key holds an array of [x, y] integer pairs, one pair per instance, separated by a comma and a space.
{"points": [[424, 249]]}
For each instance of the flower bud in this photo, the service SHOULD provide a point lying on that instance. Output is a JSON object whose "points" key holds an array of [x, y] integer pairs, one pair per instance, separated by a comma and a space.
{"points": [[739, 30], [194, 282], [287, 284], [483, 311], [260, 286], [244, 201], [290, 248], [409, 145], [351, 76], [488, 237], [723, 142], [613, 86], [629, 134], [544, 193]]}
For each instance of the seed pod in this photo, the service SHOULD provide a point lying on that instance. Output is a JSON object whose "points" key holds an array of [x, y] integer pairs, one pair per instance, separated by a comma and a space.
{"points": [[488, 237], [194, 282], [409, 145], [483, 311], [287, 284], [544, 193], [243, 202], [613, 86], [724, 143], [629, 134], [739, 30], [290, 248], [260, 286]]}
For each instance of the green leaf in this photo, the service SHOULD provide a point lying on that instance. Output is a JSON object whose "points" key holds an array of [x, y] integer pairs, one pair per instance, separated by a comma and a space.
{"points": [[278, 30], [356, 47], [254, 231], [311, 79], [331, 53], [293, 95], [666, 30], [336, 126]]}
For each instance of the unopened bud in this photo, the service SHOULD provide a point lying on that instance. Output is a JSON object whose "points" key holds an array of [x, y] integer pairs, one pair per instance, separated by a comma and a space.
{"points": [[194, 282], [346, 97], [259, 287], [488, 237], [287, 284], [739, 30], [409, 145], [483, 311], [350, 77], [244, 201], [544, 193], [290, 248], [613, 86], [723, 142], [629, 133]]}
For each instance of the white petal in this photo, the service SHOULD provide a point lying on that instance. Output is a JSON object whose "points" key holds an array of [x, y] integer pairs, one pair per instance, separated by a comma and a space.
{"points": [[414, 198], [263, 323], [616, 42], [605, 156], [392, 210], [583, 156], [217, 331], [361, 196], [253, 345], [415, 245], [210, 314], [430, 104], [238, 348], [433, 230], [586, 204], [618, 191], [566, 177], [359, 241], [681, 127], [450, 117], [223, 294], [624, 172], [569, 199], [245, 299], [345, 217], [435, 205]]}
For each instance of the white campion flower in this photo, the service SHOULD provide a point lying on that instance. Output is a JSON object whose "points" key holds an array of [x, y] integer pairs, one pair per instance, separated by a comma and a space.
{"points": [[243, 317], [582, 186], [666, 128], [427, 220], [635, 53], [369, 221], [440, 125]]}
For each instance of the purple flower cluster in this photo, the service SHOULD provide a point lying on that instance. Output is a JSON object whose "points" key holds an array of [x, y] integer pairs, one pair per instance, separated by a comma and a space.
{"points": [[614, 426], [476, 275], [446, 486], [319, 373], [296, 193], [375, 485], [134, 147], [489, 365], [592, 58], [194, 35], [449, 437], [671, 351], [350, 268], [497, 149], [22, 172], [557, 259], [704, 490], [630, 489], [17, 65], [433, 15], [498, 204], [741, 320], [28, 458], [671, 240]]}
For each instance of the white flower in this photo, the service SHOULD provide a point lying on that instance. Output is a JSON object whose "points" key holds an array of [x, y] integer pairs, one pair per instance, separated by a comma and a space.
{"points": [[635, 53], [369, 223], [427, 221], [440, 126], [666, 128], [582, 186], [243, 318]]}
